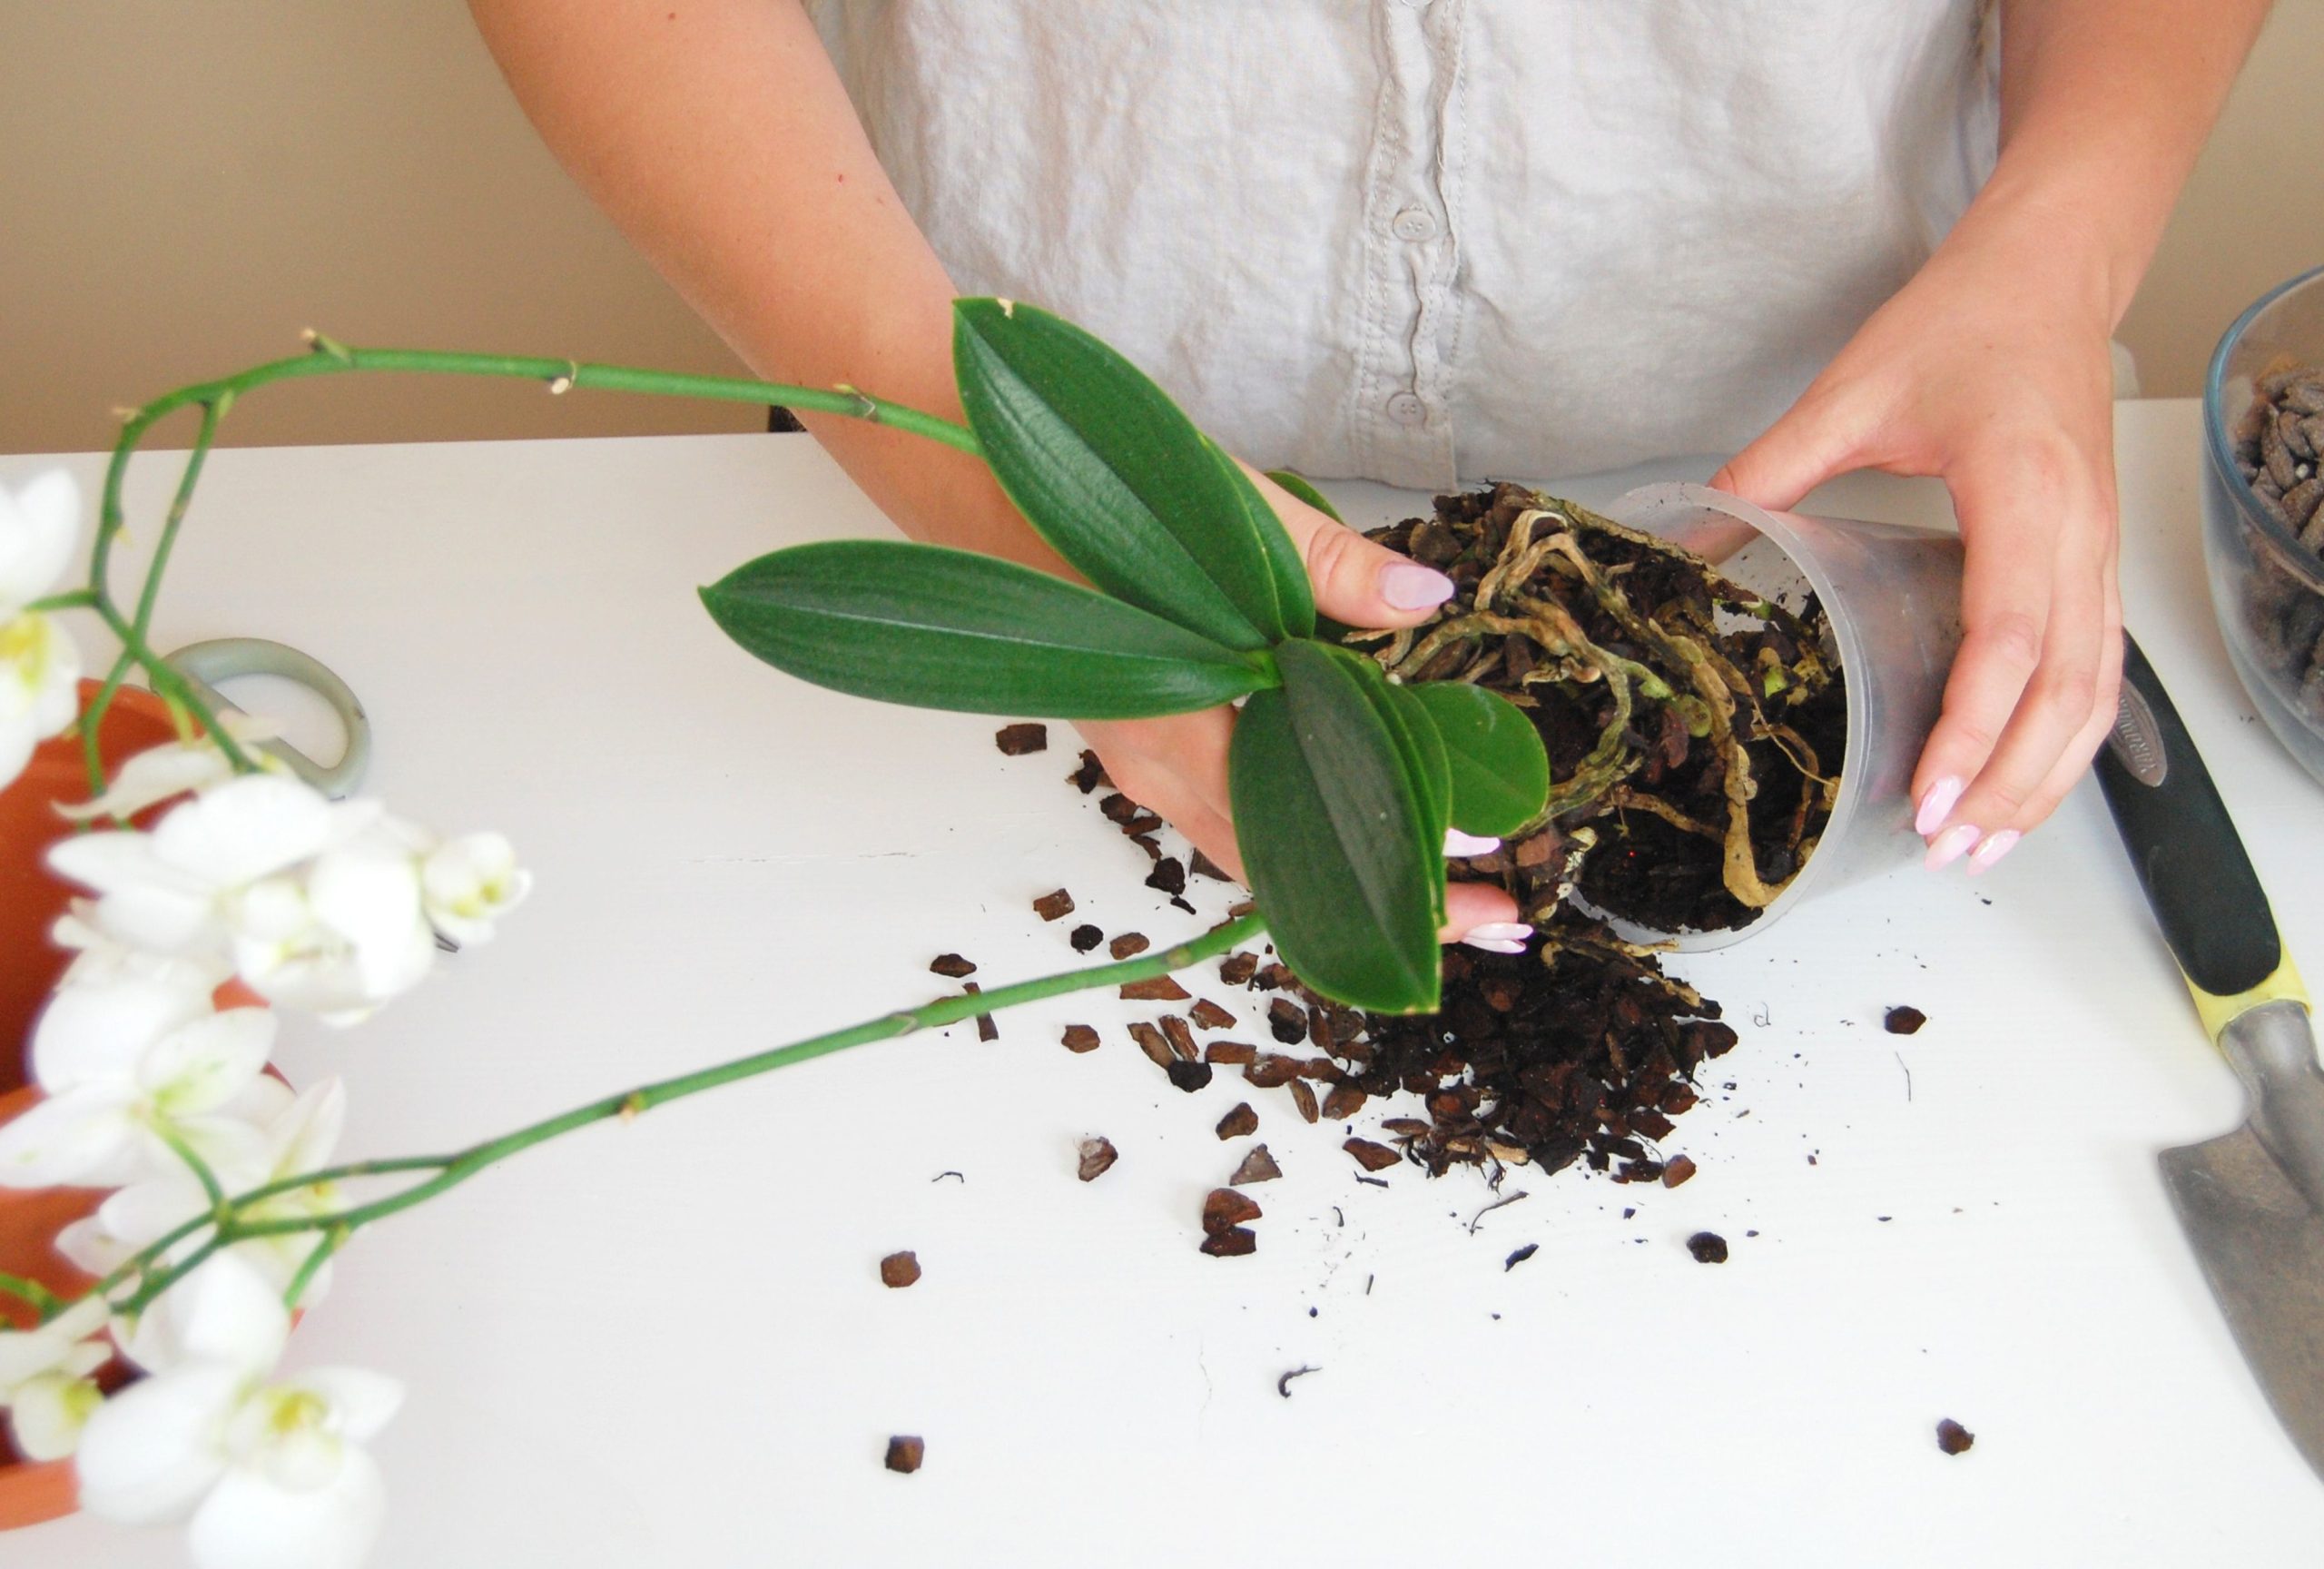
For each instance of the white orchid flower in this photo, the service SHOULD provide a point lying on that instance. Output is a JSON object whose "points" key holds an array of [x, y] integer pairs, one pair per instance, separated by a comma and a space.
{"points": [[318, 904], [175, 889], [297, 1137], [40, 675], [471, 881], [37, 528], [176, 768], [45, 1379], [268, 1472], [39, 666], [345, 936], [123, 1060], [97, 956]]}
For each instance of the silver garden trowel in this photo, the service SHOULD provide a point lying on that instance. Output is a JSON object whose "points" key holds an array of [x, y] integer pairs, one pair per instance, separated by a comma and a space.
{"points": [[2251, 1201]]}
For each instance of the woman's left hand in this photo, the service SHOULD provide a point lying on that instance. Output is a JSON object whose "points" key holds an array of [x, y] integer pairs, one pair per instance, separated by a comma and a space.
{"points": [[1992, 369]]}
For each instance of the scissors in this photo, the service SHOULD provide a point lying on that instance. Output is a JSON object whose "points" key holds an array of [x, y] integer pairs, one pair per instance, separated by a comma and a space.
{"points": [[204, 664]]}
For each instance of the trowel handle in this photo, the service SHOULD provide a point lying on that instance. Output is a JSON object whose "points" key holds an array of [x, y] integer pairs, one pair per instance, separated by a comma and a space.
{"points": [[2191, 862]]}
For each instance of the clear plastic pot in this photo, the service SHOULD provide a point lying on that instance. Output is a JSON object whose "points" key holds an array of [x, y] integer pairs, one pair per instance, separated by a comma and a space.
{"points": [[1893, 595]]}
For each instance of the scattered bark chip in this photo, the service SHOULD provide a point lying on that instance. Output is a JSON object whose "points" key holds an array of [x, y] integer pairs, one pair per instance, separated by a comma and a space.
{"points": [[1080, 1038], [898, 1270], [1239, 1122], [1288, 1021], [1170, 874], [1189, 1076], [1370, 1155], [1089, 775], [986, 1028], [1210, 1015], [1677, 1171], [1128, 945], [1904, 1020], [1708, 1247], [1154, 1043], [1343, 1101], [1097, 1156], [1302, 1096], [951, 965], [1085, 938], [1230, 1052], [1118, 808], [1258, 1166], [1226, 1208], [1236, 968], [1161, 989], [1273, 1072], [1234, 1244], [1016, 740], [1514, 1260], [1202, 865], [1181, 1038], [1954, 1438], [904, 1454], [1050, 906]]}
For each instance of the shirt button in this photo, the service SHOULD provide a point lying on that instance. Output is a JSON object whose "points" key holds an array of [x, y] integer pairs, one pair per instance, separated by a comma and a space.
{"points": [[1406, 409], [1413, 223]]}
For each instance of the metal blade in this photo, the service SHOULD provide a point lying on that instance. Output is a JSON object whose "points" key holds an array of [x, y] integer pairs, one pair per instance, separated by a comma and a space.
{"points": [[2261, 1247]]}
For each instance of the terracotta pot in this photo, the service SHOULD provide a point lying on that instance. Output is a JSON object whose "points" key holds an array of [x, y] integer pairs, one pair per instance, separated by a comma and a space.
{"points": [[29, 898]]}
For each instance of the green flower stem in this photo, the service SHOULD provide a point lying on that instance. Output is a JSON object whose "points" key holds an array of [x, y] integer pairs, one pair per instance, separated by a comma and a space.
{"points": [[134, 648], [451, 1170], [196, 1164], [39, 1298], [323, 1248], [329, 358], [213, 409], [71, 599]]}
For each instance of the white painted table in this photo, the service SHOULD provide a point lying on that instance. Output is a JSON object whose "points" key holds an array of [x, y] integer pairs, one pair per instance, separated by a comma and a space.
{"points": [[667, 1343]]}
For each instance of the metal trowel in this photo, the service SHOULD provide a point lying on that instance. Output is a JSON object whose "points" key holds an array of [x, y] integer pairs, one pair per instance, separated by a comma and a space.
{"points": [[2251, 1201]]}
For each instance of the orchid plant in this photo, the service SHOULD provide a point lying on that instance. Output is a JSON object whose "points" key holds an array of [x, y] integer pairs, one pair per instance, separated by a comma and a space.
{"points": [[226, 1207]]}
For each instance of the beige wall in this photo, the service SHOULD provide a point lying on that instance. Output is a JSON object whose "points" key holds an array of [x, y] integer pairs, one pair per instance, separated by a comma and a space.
{"points": [[185, 183]]}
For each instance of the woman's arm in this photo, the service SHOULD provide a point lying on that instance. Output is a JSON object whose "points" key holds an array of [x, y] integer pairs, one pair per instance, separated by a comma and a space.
{"points": [[1993, 368], [717, 134]]}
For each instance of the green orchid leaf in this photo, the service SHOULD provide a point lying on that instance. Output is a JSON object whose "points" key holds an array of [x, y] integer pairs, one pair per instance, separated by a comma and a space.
{"points": [[941, 628], [1113, 476], [1334, 839], [1303, 490], [1419, 749], [1295, 597], [1501, 774], [1427, 755]]}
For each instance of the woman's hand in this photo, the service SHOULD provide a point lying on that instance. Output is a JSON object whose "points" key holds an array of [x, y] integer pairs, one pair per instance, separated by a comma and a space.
{"points": [[1993, 370], [1178, 765]]}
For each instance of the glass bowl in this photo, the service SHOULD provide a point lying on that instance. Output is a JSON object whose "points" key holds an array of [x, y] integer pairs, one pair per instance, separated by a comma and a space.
{"points": [[2266, 586]]}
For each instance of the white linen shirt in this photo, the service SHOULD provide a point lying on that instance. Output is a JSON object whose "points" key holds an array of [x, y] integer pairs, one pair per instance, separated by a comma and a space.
{"points": [[1432, 242]]}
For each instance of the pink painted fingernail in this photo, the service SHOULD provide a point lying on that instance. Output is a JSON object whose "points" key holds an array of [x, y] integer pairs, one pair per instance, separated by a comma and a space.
{"points": [[1952, 844], [1936, 805], [1461, 846], [1995, 847], [1498, 936], [1409, 585], [1490, 946]]}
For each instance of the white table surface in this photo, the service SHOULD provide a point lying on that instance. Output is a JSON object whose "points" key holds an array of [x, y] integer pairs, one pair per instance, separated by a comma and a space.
{"points": [[666, 1343]]}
